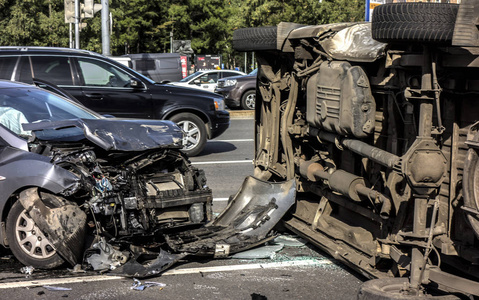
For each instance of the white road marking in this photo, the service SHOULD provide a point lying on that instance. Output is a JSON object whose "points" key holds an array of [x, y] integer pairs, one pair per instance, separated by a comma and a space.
{"points": [[232, 141], [223, 162], [57, 281]]}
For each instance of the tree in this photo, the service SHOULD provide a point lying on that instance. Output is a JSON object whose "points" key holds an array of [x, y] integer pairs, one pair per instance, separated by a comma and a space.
{"points": [[145, 26]]}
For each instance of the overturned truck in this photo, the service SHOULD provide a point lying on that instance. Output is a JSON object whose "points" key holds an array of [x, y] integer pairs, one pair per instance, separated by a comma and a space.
{"points": [[378, 125]]}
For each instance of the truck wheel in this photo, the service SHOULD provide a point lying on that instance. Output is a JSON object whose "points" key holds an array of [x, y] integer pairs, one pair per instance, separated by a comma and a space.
{"points": [[194, 140], [421, 22], [248, 99], [256, 38], [470, 185], [29, 245], [391, 289]]}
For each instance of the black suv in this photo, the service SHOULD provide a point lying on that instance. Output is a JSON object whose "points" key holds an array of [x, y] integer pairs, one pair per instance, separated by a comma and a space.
{"points": [[109, 87]]}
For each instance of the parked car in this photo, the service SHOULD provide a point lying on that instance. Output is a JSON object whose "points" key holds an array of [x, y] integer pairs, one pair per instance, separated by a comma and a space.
{"points": [[239, 91], [109, 87], [72, 182], [378, 125], [205, 80]]}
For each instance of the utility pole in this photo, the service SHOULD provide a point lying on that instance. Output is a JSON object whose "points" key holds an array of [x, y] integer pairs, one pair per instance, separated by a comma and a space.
{"points": [[70, 31], [105, 26], [246, 62], [171, 41], [77, 24]]}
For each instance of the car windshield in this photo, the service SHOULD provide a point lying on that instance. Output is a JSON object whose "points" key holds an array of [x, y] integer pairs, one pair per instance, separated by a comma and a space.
{"points": [[254, 72], [188, 78], [31, 105]]}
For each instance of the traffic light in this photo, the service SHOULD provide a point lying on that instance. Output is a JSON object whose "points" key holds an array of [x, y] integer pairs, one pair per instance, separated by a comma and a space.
{"points": [[69, 11], [91, 8]]}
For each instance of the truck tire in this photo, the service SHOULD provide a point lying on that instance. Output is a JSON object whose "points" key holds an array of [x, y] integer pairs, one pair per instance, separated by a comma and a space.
{"points": [[195, 137], [390, 289], [256, 38], [29, 245], [420, 22], [470, 185]]}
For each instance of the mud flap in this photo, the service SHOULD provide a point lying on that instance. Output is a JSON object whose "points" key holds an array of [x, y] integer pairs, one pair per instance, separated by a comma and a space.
{"points": [[64, 225], [246, 222]]}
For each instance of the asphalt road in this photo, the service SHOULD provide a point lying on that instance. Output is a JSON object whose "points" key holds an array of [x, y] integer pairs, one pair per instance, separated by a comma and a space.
{"points": [[227, 160], [295, 272]]}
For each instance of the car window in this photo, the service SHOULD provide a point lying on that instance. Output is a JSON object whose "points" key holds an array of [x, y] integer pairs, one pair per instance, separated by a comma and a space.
{"points": [[56, 69], [209, 78], [145, 65], [24, 71], [29, 105], [189, 77], [7, 65], [229, 74], [101, 74]]}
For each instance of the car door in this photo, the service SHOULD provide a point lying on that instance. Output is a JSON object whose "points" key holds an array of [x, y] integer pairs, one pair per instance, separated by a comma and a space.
{"points": [[207, 81], [55, 69], [106, 89]]}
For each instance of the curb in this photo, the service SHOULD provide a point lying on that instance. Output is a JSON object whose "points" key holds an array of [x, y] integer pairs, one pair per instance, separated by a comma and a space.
{"points": [[241, 114]]}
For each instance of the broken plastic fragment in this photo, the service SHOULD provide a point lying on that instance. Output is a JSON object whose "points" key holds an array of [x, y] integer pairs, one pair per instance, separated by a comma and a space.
{"points": [[27, 270], [146, 264], [290, 241], [107, 258], [56, 288], [137, 286], [77, 269], [268, 251]]}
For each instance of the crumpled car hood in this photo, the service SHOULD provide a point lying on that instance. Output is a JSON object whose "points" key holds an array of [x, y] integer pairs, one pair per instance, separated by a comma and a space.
{"points": [[113, 134]]}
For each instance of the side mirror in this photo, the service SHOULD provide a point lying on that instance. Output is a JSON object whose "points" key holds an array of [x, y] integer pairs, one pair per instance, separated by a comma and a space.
{"points": [[136, 83], [197, 81]]}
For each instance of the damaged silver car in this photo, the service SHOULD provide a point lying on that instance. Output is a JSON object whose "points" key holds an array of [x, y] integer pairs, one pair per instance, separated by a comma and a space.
{"points": [[75, 185]]}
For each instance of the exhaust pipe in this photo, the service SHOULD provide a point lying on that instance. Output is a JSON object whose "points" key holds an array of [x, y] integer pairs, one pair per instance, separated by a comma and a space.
{"points": [[345, 183]]}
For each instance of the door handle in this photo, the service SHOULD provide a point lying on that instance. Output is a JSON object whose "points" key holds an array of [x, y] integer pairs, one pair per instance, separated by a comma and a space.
{"points": [[94, 96]]}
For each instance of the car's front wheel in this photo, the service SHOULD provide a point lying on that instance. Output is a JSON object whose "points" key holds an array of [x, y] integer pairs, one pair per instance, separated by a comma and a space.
{"points": [[194, 139], [248, 100], [28, 243]]}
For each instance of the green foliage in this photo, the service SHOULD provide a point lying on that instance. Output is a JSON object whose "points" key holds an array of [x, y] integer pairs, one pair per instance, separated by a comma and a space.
{"points": [[145, 26]]}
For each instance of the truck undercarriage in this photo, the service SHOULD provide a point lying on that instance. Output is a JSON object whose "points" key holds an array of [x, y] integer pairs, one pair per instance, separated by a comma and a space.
{"points": [[378, 126]]}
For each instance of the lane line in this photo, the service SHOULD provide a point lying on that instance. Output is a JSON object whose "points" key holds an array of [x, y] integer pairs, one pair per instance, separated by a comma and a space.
{"points": [[232, 141], [222, 162], [57, 281]]}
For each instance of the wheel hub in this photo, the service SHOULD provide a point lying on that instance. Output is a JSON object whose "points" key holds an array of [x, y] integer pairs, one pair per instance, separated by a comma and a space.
{"points": [[30, 238], [191, 136], [250, 101]]}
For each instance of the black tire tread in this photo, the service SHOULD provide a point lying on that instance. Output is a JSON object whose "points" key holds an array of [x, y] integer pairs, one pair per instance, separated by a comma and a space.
{"points": [[421, 22], [256, 38]]}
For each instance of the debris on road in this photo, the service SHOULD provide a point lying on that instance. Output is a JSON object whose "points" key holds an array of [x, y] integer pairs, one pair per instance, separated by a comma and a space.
{"points": [[290, 241], [28, 270], [77, 269], [267, 251], [138, 286], [56, 288]]}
